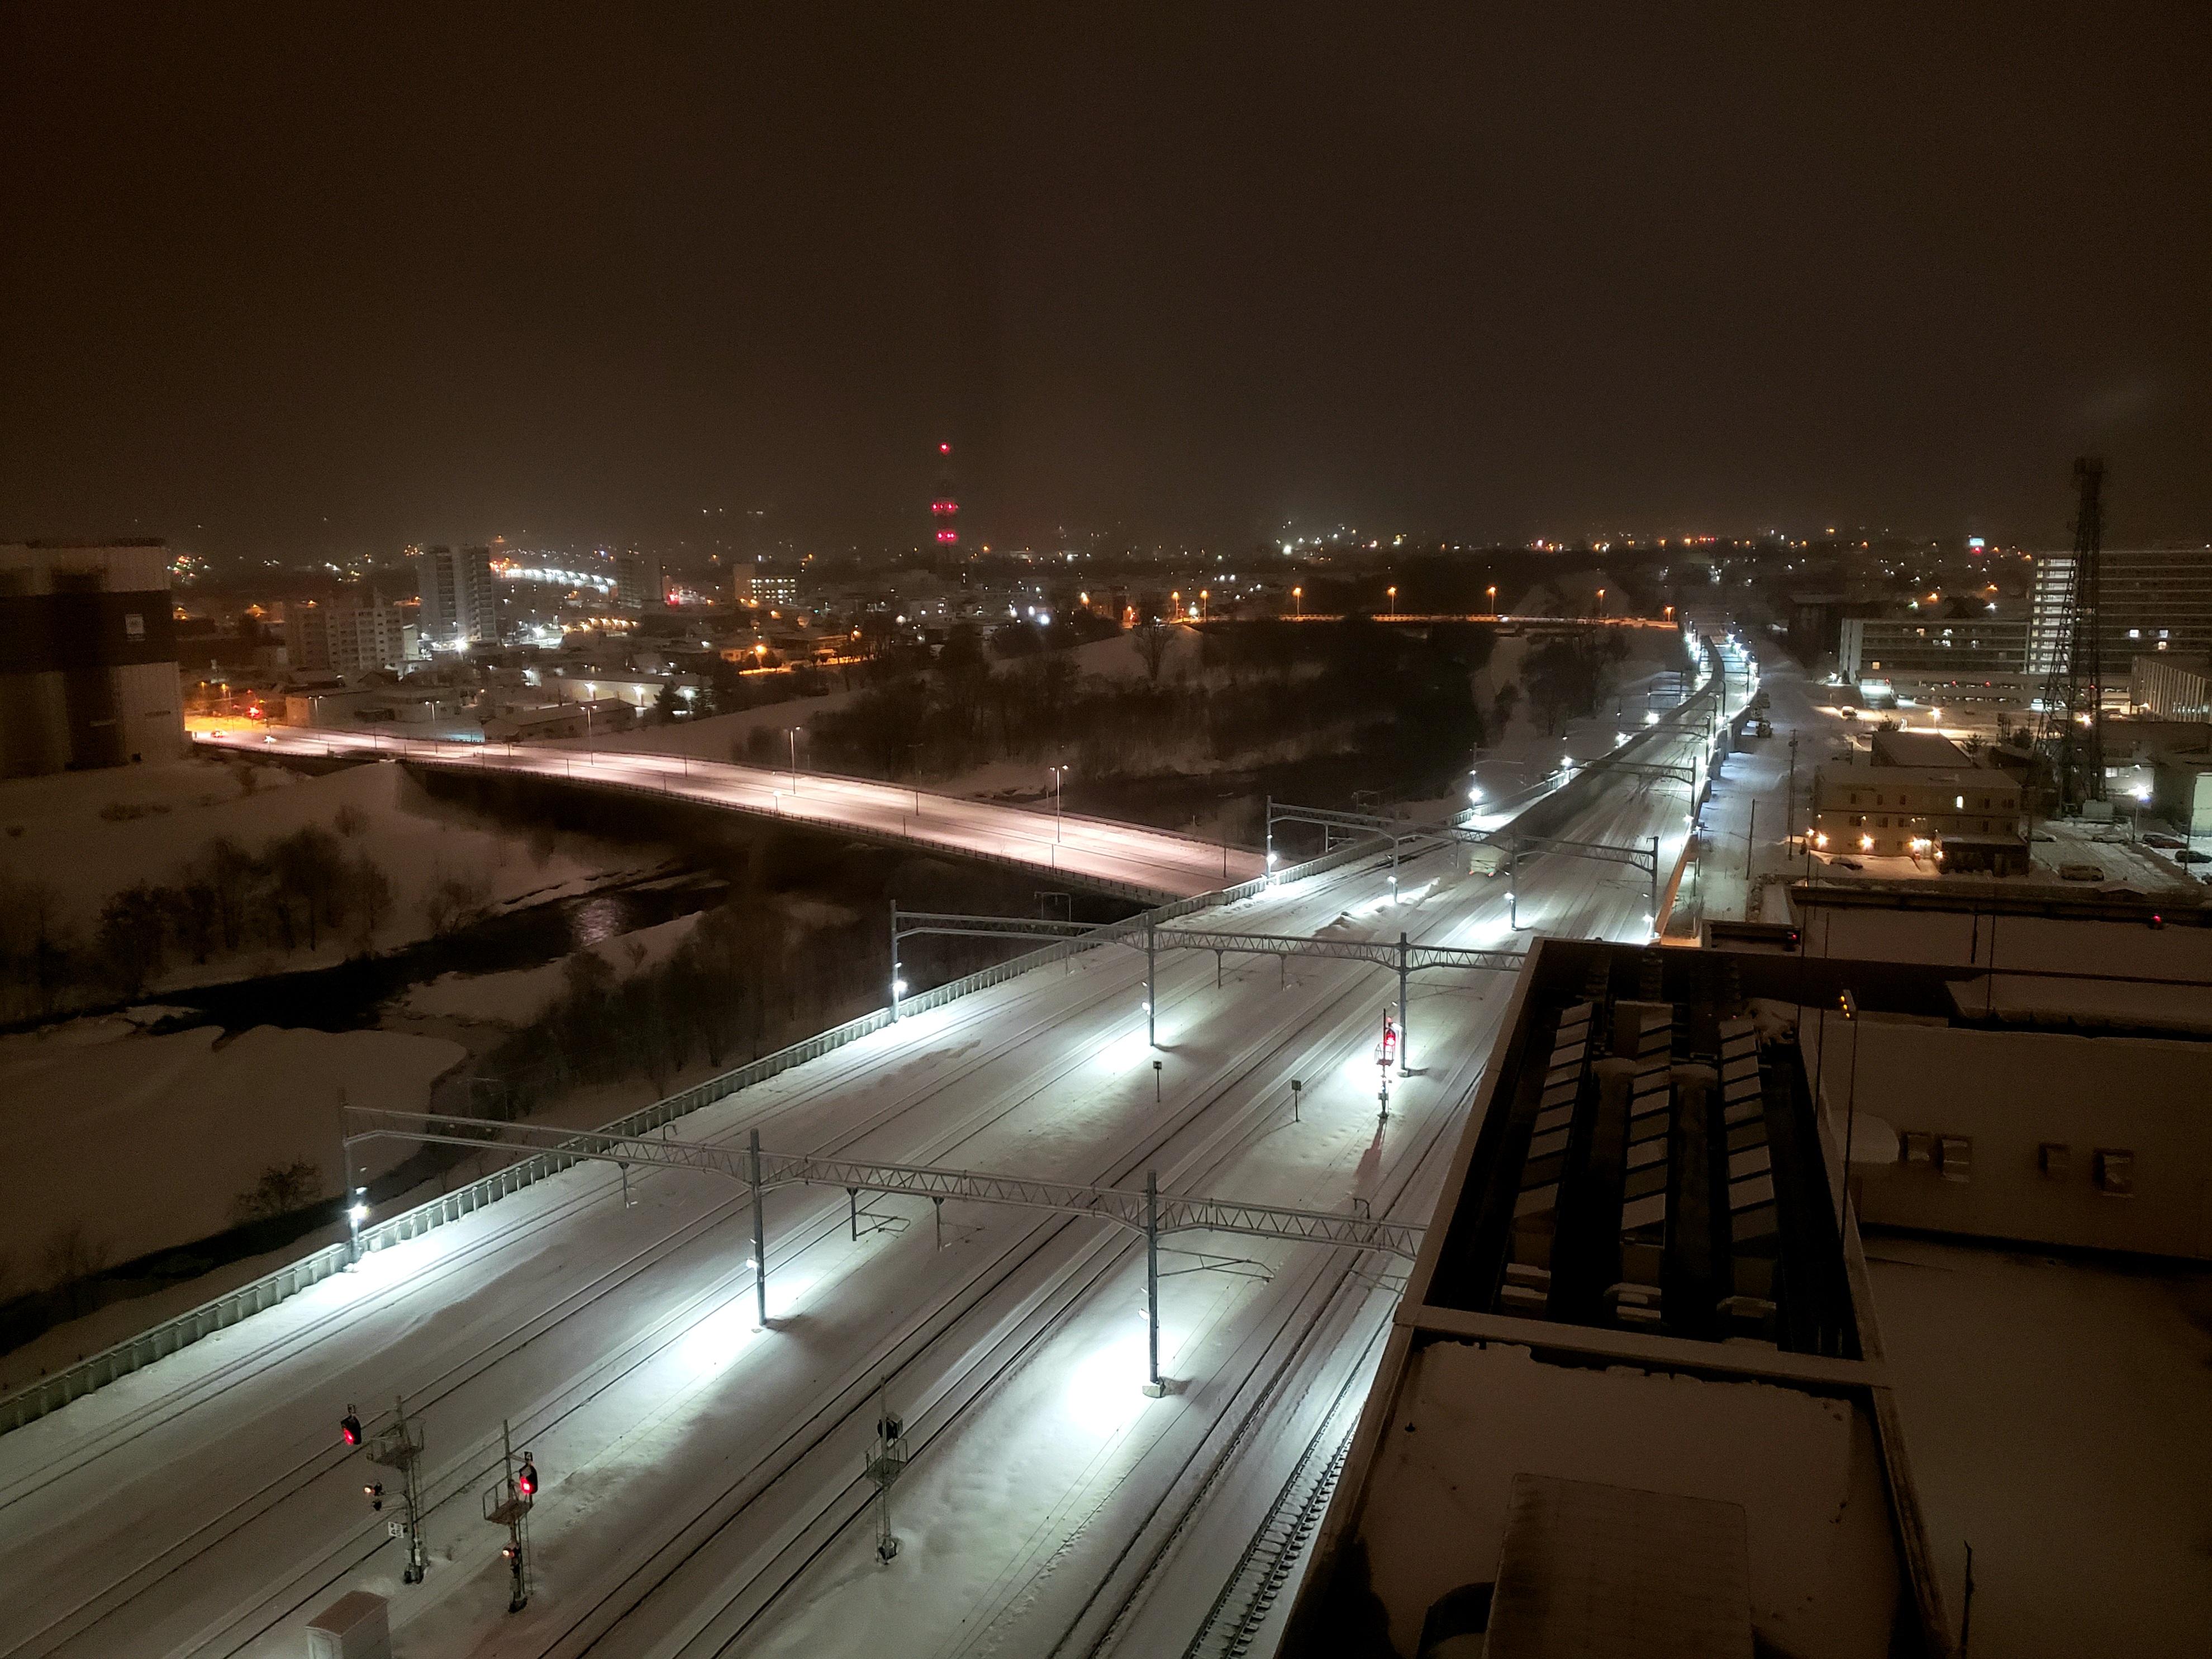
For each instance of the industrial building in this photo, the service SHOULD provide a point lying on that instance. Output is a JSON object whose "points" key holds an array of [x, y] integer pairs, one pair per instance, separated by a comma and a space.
{"points": [[461, 606], [87, 656]]}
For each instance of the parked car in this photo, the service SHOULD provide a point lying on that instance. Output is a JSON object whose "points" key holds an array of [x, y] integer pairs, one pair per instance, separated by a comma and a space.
{"points": [[2080, 872], [1847, 864], [2189, 856], [2160, 838]]}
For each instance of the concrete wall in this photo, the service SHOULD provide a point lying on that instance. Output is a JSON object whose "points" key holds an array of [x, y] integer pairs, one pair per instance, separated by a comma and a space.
{"points": [[2001, 1097]]}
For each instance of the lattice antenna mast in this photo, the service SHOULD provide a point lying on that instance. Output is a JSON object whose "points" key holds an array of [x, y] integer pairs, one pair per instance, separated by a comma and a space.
{"points": [[2073, 694]]}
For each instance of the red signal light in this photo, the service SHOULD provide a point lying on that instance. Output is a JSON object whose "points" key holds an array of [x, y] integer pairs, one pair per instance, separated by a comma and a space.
{"points": [[526, 1480], [349, 1426]]}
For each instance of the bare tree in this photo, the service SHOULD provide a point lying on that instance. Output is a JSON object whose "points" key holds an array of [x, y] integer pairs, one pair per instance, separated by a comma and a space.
{"points": [[1153, 640]]}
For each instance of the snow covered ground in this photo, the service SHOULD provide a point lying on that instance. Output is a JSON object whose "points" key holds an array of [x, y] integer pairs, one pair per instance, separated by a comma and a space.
{"points": [[166, 815], [702, 1477], [147, 1140]]}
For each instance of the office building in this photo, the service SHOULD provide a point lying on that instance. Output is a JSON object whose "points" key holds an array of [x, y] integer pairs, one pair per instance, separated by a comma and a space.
{"points": [[1916, 650], [2150, 601], [350, 636], [87, 656], [460, 608], [771, 592]]}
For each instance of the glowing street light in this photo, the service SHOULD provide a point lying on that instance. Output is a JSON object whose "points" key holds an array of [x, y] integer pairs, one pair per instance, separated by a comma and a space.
{"points": [[1393, 594], [1493, 601], [1297, 602], [1058, 777]]}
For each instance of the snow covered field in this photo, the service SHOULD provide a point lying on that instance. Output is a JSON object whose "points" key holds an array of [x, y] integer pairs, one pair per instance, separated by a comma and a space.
{"points": [[702, 1477], [86, 836], [147, 1140]]}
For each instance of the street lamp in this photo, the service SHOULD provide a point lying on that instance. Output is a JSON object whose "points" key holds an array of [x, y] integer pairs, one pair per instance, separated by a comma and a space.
{"points": [[791, 733], [1493, 602], [1058, 777], [1393, 594], [1297, 602], [1601, 602]]}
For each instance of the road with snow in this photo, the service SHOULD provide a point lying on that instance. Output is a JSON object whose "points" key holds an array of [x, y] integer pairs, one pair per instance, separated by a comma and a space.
{"points": [[703, 1487], [1120, 857]]}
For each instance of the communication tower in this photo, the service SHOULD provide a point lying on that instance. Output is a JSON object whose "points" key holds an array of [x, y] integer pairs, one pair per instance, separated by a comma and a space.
{"points": [[945, 506], [2073, 733]]}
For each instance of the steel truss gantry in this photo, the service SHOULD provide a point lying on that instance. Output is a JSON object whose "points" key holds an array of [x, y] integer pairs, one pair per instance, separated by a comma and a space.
{"points": [[1355, 824], [1146, 1210], [1644, 858], [1407, 958]]}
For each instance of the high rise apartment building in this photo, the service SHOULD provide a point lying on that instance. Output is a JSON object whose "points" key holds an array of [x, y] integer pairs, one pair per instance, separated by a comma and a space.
{"points": [[350, 636], [641, 581], [2150, 600], [461, 607], [87, 656]]}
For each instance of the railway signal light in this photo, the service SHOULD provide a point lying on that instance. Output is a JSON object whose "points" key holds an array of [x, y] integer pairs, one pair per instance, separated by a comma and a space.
{"points": [[526, 1479], [349, 1426], [374, 1492]]}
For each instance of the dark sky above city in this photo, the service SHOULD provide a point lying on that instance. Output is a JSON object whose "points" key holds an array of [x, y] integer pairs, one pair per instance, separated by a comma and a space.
{"points": [[295, 279]]}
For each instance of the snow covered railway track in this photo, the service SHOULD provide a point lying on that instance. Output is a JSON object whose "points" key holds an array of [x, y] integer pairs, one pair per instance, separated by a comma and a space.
{"points": [[795, 1239], [807, 1525]]}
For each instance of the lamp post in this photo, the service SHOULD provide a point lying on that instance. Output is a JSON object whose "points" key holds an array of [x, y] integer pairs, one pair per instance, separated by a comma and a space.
{"points": [[1493, 604], [1392, 594], [1059, 776], [1601, 602], [791, 733], [1297, 602]]}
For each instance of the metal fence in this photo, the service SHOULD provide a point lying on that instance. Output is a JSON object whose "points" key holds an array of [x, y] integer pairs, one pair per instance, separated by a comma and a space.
{"points": [[96, 1371]]}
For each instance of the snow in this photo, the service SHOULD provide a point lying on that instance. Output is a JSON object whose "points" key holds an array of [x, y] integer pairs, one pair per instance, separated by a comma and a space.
{"points": [[695, 1468], [147, 1139], [417, 842], [518, 996], [2059, 1413]]}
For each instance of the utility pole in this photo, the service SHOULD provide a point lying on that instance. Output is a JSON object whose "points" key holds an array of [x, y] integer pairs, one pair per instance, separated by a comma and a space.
{"points": [[760, 1231], [1153, 1387], [1750, 876]]}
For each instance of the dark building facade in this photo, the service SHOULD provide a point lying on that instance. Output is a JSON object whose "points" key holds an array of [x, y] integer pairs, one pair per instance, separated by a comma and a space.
{"points": [[87, 656]]}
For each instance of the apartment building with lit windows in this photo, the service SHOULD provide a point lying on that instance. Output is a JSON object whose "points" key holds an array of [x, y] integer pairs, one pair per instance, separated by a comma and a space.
{"points": [[1899, 805]]}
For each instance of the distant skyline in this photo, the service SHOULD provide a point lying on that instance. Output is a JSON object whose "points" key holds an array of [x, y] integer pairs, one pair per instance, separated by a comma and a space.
{"points": [[289, 283]]}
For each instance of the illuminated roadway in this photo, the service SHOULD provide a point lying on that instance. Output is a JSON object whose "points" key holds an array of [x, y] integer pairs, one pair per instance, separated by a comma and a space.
{"points": [[1118, 857], [702, 1481]]}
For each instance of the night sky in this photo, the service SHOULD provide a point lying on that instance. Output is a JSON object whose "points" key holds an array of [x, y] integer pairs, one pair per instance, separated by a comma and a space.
{"points": [[303, 279]]}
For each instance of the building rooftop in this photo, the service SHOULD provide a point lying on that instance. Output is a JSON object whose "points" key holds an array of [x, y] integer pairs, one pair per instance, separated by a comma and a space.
{"points": [[1633, 1330], [1919, 749]]}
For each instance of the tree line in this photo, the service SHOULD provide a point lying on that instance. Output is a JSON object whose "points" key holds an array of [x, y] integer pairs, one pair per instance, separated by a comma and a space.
{"points": [[296, 891]]}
